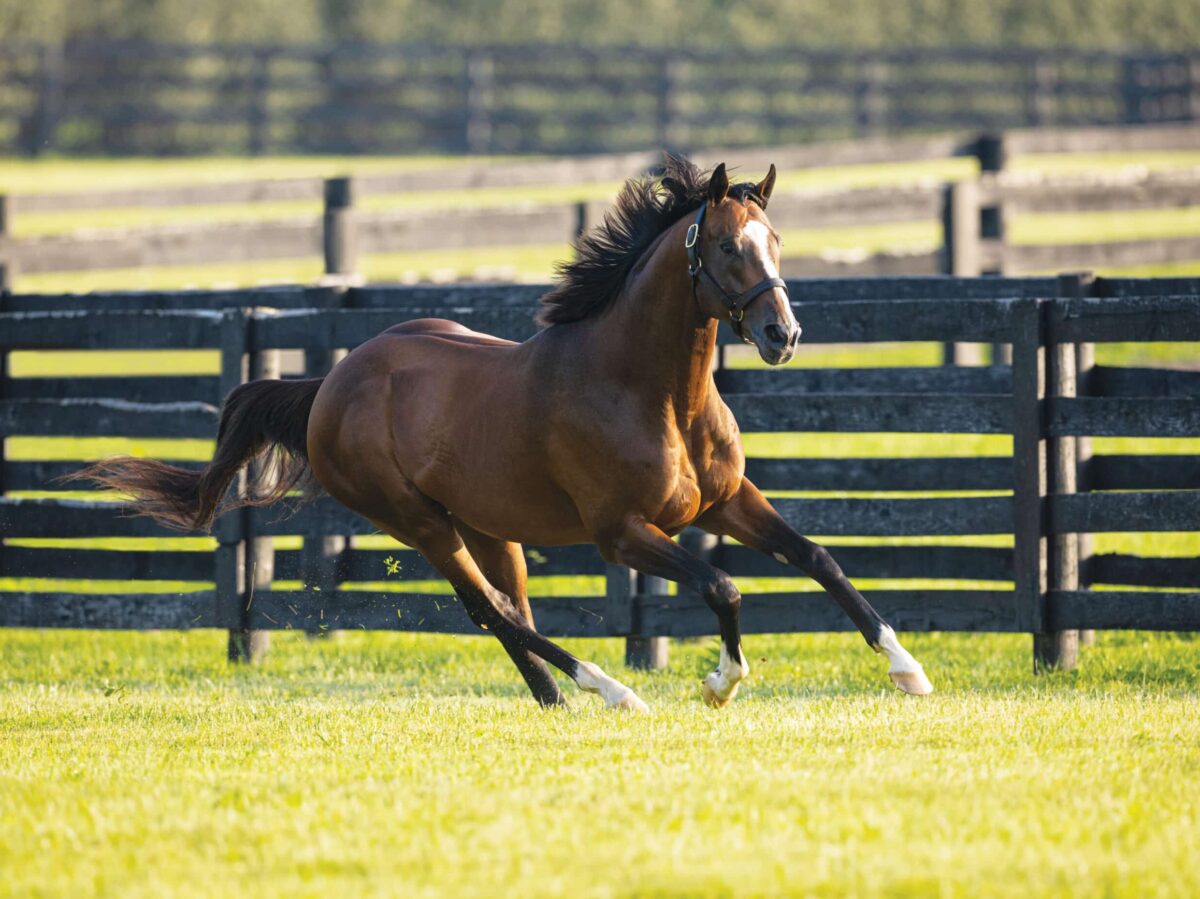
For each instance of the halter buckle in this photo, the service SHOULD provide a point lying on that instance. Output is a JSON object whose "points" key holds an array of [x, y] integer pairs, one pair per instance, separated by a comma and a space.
{"points": [[693, 233], [736, 314]]}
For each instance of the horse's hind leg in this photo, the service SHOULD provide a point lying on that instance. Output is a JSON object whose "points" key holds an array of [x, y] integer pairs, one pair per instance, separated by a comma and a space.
{"points": [[415, 519], [503, 565]]}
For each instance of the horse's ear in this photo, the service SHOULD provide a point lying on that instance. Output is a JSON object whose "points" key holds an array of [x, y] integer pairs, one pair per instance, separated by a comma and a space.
{"points": [[718, 185], [766, 186]]}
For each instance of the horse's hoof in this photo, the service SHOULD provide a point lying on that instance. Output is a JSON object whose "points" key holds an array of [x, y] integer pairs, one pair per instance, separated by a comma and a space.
{"points": [[915, 683], [631, 702], [710, 695]]}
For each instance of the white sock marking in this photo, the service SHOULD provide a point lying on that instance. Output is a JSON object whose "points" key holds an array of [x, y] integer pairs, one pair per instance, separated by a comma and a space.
{"points": [[730, 672], [592, 679], [899, 657]]}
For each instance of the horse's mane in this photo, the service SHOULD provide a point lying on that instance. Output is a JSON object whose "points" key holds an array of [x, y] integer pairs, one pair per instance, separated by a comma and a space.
{"points": [[606, 254]]}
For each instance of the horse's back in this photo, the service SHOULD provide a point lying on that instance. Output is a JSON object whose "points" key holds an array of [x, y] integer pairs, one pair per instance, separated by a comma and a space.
{"points": [[446, 330]]}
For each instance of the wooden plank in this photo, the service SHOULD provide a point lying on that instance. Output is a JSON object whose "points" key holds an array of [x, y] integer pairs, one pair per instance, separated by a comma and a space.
{"points": [[1114, 139], [1029, 467], [272, 190], [1124, 417], [1120, 568], [1140, 287], [770, 613], [369, 565], [322, 516], [939, 287], [138, 389], [111, 565], [354, 609], [283, 297], [1126, 610], [449, 296], [956, 380], [1110, 254], [78, 518], [149, 611], [1112, 472], [176, 244], [864, 321], [898, 517], [1134, 319], [808, 210], [851, 413], [1106, 380], [88, 330], [107, 417], [1023, 195], [860, 264], [1099, 513], [955, 562], [967, 473], [306, 329]]}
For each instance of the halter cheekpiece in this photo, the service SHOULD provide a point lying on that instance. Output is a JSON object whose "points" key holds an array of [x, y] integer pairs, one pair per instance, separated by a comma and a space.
{"points": [[736, 303]]}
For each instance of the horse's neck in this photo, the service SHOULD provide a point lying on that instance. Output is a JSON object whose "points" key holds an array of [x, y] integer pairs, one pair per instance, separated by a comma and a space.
{"points": [[659, 333]]}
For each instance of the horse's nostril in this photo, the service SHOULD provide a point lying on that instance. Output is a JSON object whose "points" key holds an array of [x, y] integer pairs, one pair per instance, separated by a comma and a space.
{"points": [[776, 334]]}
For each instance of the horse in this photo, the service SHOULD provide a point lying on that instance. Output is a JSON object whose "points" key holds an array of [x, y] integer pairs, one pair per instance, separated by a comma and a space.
{"points": [[605, 427]]}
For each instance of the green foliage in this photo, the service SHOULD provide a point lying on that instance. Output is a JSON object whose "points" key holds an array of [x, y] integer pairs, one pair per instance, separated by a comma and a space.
{"points": [[858, 23]]}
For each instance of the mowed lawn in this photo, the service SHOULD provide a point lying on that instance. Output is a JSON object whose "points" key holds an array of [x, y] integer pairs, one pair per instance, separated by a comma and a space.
{"points": [[144, 765]]}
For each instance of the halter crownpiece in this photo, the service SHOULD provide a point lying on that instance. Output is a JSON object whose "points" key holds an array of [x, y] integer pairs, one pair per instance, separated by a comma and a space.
{"points": [[736, 303]]}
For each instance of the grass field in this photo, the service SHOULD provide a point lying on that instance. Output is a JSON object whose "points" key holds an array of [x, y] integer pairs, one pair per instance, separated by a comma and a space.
{"points": [[143, 765]]}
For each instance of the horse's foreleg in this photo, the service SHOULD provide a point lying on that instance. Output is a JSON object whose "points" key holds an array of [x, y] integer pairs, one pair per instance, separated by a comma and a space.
{"points": [[751, 520], [644, 547]]}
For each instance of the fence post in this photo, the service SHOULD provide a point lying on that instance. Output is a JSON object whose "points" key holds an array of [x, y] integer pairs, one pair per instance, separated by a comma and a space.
{"points": [[253, 645], [992, 152], [481, 73], [45, 117], [961, 252], [1029, 467], [1060, 649], [1080, 285], [647, 653], [870, 108], [260, 102], [232, 531], [340, 236], [322, 553]]}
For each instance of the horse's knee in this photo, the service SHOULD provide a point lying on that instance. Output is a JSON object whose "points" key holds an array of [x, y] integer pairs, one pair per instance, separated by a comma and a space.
{"points": [[721, 594]]}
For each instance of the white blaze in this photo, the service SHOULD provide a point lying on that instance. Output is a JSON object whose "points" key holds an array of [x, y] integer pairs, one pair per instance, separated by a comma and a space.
{"points": [[758, 236]]}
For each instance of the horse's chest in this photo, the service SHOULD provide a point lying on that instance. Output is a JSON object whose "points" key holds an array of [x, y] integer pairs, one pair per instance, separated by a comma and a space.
{"points": [[699, 477]]}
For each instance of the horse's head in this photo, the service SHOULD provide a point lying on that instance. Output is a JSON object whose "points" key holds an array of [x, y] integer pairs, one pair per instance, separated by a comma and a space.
{"points": [[733, 256]]}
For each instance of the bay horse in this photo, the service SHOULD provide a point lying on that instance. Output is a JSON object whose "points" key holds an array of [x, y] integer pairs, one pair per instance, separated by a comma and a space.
{"points": [[605, 427]]}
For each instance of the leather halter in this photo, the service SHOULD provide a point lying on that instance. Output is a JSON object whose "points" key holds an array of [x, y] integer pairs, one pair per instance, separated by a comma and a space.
{"points": [[736, 303]]}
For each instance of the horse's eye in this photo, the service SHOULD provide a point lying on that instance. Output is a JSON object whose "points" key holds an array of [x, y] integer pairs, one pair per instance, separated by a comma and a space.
{"points": [[727, 247]]}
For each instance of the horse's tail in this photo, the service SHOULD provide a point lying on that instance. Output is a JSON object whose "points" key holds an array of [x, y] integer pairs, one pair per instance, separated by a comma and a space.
{"points": [[258, 417]]}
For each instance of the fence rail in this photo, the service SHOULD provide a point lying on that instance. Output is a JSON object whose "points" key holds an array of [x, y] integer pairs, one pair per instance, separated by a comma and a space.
{"points": [[121, 97], [1049, 491]]}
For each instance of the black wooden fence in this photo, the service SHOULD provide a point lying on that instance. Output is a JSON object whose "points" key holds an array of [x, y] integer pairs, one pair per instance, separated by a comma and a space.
{"points": [[1050, 490], [123, 97]]}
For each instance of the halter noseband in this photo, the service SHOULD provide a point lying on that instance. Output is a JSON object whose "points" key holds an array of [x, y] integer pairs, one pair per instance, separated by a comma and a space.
{"points": [[736, 303]]}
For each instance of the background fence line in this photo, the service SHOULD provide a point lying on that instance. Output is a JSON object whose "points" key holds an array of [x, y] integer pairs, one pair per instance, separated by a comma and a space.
{"points": [[972, 211], [105, 97], [1045, 319]]}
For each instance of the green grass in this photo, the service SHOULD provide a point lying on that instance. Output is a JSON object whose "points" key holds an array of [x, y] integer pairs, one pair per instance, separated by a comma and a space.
{"points": [[393, 764]]}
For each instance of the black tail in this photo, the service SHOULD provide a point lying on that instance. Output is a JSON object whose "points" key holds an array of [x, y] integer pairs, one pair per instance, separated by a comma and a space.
{"points": [[258, 417]]}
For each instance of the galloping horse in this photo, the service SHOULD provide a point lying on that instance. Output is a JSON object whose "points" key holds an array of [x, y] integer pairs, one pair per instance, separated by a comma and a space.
{"points": [[605, 427]]}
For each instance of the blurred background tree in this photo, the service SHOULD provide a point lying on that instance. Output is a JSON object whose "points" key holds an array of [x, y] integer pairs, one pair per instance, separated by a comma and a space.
{"points": [[1150, 24]]}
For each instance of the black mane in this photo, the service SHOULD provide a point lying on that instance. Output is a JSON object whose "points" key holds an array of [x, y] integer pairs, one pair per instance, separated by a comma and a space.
{"points": [[606, 254]]}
